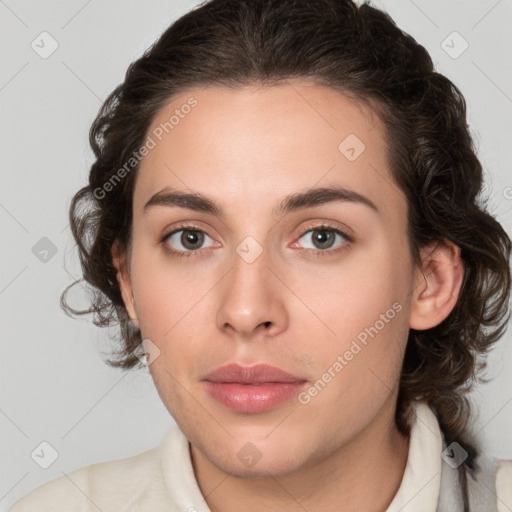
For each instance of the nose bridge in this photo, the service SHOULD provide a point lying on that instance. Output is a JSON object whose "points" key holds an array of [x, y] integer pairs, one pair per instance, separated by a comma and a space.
{"points": [[250, 295]]}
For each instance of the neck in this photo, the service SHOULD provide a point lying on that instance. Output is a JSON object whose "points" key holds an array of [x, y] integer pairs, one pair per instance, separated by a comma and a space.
{"points": [[362, 475]]}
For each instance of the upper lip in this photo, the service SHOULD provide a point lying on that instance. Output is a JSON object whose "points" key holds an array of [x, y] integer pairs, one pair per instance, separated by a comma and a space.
{"points": [[257, 374]]}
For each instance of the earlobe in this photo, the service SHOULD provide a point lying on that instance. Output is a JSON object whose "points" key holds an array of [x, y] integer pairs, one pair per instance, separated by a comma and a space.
{"points": [[440, 282], [124, 281]]}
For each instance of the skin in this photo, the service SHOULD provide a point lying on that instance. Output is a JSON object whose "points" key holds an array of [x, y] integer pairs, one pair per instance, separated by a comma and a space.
{"points": [[247, 149]]}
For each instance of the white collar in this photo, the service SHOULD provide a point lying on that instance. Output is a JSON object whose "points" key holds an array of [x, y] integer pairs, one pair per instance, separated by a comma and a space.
{"points": [[419, 490]]}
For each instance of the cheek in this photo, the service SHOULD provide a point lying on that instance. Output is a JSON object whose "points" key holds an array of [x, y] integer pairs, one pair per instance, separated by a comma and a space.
{"points": [[166, 291], [174, 311], [356, 373], [357, 323], [345, 298]]}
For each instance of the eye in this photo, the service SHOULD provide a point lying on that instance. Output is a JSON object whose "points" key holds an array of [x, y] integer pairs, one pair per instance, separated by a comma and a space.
{"points": [[189, 240], [185, 241], [324, 237]]}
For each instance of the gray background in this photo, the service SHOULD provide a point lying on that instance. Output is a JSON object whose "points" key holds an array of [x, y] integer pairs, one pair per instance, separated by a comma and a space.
{"points": [[54, 386]]}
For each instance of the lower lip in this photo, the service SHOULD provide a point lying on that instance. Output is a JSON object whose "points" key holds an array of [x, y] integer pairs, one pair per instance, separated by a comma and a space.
{"points": [[253, 398]]}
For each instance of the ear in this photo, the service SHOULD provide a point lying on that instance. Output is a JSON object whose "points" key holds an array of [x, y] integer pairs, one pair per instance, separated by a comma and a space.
{"points": [[119, 259], [441, 278]]}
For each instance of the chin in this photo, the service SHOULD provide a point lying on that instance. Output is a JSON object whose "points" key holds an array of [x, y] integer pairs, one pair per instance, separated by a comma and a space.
{"points": [[260, 469], [261, 459]]}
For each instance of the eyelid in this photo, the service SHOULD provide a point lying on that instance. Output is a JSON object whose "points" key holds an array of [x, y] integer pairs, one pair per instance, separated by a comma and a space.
{"points": [[327, 225]]}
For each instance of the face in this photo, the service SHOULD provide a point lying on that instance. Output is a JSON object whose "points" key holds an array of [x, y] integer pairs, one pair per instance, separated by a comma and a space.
{"points": [[256, 268]]}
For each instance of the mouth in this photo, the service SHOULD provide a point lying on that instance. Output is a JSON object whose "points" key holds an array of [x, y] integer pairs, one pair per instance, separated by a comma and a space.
{"points": [[252, 389]]}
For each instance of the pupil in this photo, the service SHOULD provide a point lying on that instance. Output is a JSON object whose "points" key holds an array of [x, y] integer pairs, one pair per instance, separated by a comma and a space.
{"points": [[191, 238], [323, 237]]}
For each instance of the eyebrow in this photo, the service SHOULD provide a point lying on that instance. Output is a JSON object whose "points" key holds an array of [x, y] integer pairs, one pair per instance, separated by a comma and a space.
{"points": [[293, 202]]}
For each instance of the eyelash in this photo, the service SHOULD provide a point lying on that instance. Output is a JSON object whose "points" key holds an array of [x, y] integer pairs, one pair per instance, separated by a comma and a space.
{"points": [[316, 252]]}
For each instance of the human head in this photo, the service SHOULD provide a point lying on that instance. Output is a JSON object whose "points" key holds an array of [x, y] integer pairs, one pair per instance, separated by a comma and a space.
{"points": [[359, 52]]}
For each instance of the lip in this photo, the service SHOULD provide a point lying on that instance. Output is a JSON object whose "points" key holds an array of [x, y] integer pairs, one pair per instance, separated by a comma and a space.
{"points": [[252, 389]]}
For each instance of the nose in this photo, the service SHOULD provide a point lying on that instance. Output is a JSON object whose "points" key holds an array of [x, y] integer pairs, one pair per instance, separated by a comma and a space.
{"points": [[252, 299]]}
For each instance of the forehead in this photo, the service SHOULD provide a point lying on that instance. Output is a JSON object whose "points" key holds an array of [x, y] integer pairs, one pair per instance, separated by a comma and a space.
{"points": [[251, 146]]}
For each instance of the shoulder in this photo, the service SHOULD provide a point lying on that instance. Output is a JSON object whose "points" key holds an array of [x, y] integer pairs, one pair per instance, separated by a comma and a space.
{"points": [[504, 485], [106, 486]]}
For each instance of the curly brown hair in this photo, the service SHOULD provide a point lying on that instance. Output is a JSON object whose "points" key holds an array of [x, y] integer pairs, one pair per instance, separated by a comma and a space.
{"points": [[359, 51]]}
